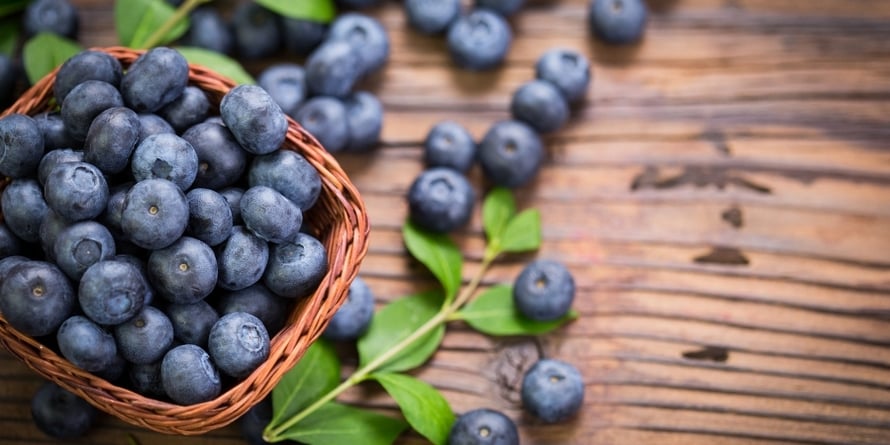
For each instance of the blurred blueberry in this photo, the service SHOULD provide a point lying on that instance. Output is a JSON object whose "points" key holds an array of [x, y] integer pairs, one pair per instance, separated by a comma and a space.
{"points": [[210, 218], [23, 208], [238, 343], [505, 8], [81, 245], [432, 16], [150, 123], [449, 144], [76, 191], [290, 174], [352, 318], [325, 118], [9, 77], [165, 156], [270, 215], [10, 245], [112, 291], [364, 120], [111, 139], [61, 414], [146, 337], [192, 321], [189, 376], [54, 134], [552, 390], [358, 3], [258, 301], [83, 66], [539, 104], [241, 259], [53, 16], [617, 22], [86, 101], [52, 158], [86, 344], [333, 69], [479, 40], [440, 199], [510, 153], [568, 70], [221, 160], [209, 30], [301, 36], [184, 272], [36, 297], [22, 146], [286, 83], [190, 108], [155, 79], [366, 35], [483, 426], [155, 213], [256, 30], [544, 290], [296, 269], [255, 120]]}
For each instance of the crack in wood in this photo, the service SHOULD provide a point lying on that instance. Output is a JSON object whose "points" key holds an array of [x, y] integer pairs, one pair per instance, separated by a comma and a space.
{"points": [[733, 216], [697, 176], [727, 256], [718, 139], [708, 353]]}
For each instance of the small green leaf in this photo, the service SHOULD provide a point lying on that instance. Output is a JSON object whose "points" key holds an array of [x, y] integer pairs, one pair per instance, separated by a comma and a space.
{"points": [[497, 210], [338, 424], [495, 313], [438, 253], [394, 323], [424, 407], [136, 20], [315, 374], [313, 10], [10, 7], [217, 62], [44, 52], [523, 232], [9, 36]]}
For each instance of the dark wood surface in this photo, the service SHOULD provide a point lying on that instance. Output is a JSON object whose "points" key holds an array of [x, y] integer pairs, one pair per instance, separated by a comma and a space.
{"points": [[722, 198]]}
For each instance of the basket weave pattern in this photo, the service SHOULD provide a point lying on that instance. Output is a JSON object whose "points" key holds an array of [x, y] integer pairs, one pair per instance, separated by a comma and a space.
{"points": [[338, 219]]}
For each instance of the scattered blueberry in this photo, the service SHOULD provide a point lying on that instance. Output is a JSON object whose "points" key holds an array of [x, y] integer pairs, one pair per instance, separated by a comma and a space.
{"points": [[258, 301], [192, 321], [617, 22], [80, 245], [539, 104], [76, 191], [354, 316], [479, 40], [86, 101], [112, 291], [36, 297], [53, 16], [296, 269], [290, 174], [483, 427], [221, 160], [146, 337], [155, 213], [23, 208], [238, 343], [544, 290], [568, 70], [254, 118], [270, 215], [552, 390], [165, 156], [449, 144], [301, 36], [83, 66], [184, 272], [432, 16], [86, 344], [61, 414], [364, 120], [154, 79], [55, 157], [505, 8], [208, 30], [510, 153], [210, 218], [325, 118], [256, 30], [54, 134], [22, 146], [366, 35], [188, 375], [286, 83], [333, 69], [190, 108], [440, 199], [241, 259]]}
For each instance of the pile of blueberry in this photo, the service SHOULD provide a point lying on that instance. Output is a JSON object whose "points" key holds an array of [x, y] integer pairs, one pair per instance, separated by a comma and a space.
{"points": [[148, 240]]}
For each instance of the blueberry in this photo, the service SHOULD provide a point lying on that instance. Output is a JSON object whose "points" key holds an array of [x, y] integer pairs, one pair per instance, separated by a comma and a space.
{"points": [[7, 263], [60, 413], [510, 153], [449, 144], [568, 70], [155, 79], [52, 158], [325, 118], [210, 218], [10, 245], [432, 16], [21, 146], [302, 36], [290, 174], [552, 390], [238, 343], [544, 290], [364, 120], [50, 228], [333, 69], [86, 344], [241, 259], [233, 197], [255, 120], [111, 218], [113, 372], [86, 101], [441, 200], [23, 209], [259, 301], [286, 83], [479, 40], [208, 30], [254, 422], [165, 156], [617, 22], [366, 35], [146, 337], [483, 427], [80, 245], [9, 77], [184, 272], [256, 30], [36, 297], [505, 8], [111, 139], [54, 16], [83, 66], [54, 134], [146, 379], [539, 104], [190, 108], [221, 160], [270, 215], [112, 291], [192, 321], [296, 269], [150, 123], [352, 318], [188, 375], [155, 213], [76, 191]]}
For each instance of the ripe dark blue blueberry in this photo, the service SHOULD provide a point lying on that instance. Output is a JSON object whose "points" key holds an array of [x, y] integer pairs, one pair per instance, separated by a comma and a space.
{"points": [[539, 104], [76, 191], [53, 16], [510, 153], [7, 263], [568, 70], [617, 22], [255, 120], [192, 322], [86, 101], [479, 40], [165, 156], [354, 316], [50, 228], [55, 157], [184, 272], [259, 301], [36, 297], [86, 344], [449, 144], [290, 174], [325, 118], [544, 290], [241, 259], [552, 390], [54, 134], [432, 16], [83, 66], [302, 36], [21, 145], [154, 79], [440, 199], [286, 83], [270, 215], [111, 139], [146, 379], [503, 7], [150, 123], [189, 376], [221, 160], [333, 69], [155, 213], [210, 218], [112, 291], [483, 427], [80, 245], [60, 413], [238, 343], [190, 108], [146, 337], [364, 120], [233, 197], [366, 35], [256, 30], [23, 208], [208, 30], [10, 245], [296, 269], [254, 422]]}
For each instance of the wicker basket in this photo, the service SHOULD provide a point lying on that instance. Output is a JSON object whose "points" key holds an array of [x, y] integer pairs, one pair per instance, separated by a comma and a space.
{"points": [[338, 219]]}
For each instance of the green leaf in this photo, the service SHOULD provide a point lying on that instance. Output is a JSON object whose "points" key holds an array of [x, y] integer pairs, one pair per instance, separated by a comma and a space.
{"points": [[497, 210], [44, 52], [10, 7], [137, 20], [313, 10], [215, 61], [317, 373], [394, 323], [338, 424], [495, 313], [438, 253], [523, 232], [423, 406]]}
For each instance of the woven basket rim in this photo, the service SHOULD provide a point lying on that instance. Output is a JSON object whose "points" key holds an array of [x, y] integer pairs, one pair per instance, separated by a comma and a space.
{"points": [[344, 231]]}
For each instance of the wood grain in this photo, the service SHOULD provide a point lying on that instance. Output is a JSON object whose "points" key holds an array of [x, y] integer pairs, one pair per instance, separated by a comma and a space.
{"points": [[722, 198]]}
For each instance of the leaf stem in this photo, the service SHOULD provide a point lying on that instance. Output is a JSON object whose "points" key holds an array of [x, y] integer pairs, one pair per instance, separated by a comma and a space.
{"points": [[177, 16]]}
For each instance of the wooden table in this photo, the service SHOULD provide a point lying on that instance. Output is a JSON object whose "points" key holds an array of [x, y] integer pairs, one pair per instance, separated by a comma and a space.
{"points": [[722, 200]]}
